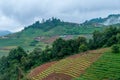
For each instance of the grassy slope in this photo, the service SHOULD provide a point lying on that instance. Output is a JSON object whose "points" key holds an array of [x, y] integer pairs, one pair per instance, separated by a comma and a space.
{"points": [[72, 66], [25, 37], [106, 68]]}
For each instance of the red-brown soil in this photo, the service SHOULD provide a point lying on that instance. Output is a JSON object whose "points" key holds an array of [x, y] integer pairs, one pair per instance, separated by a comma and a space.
{"points": [[51, 40], [58, 76], [40, 69]]}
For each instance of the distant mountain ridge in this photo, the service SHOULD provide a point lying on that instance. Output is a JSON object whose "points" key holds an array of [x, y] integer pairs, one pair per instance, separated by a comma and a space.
{"points": [[110, 20], [4, 32], [54, 26]]}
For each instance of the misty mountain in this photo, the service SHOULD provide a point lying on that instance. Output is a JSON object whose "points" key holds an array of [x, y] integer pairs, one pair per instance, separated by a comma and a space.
{"points": [[4, 32], [54, 26], [110, 20]]}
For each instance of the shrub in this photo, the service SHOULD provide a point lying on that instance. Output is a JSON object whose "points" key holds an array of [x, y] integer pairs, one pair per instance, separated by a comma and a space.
{"points": [[115, 49], [83, 48], [118, 38]]}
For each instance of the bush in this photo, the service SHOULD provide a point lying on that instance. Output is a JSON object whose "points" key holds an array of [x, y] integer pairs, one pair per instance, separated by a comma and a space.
{"points": [[115, 49], [118, 38], [33, 43], [83, 48]]}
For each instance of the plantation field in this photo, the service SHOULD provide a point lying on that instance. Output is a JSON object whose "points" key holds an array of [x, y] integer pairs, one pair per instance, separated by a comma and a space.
{"points": [[106, 68], [7, 44], [3, 53], [72, 66], [5, 50]]}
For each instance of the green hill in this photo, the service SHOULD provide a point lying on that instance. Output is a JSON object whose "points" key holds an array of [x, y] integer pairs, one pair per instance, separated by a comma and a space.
{"points": [[47, 29], [40, 34]]}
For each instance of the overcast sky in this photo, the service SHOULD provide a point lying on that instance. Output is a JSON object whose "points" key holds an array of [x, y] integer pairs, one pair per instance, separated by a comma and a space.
{"points": [[15, 14]]}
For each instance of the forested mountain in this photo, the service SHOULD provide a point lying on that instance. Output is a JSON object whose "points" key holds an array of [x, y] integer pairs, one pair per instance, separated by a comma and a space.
{"points": [[54, 26]]}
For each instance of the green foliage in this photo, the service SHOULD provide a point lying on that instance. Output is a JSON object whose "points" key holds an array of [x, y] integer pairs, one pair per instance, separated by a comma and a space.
{"points": [[115, 48], [106, 38], [17, 54], [11, 66], [34, 43], [19, 62], [63, 48], [118, 38], [83, 48], [106, 68]]}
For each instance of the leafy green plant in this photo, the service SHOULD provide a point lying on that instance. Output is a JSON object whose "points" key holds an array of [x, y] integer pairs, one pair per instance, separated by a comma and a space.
{"points": [[115, 48], [83, 48]]}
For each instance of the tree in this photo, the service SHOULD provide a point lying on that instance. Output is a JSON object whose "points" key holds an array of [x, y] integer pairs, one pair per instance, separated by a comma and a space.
{"points": [[80, 41], [118, 38], [111, 41], [17, 54], [98, 39], [115, 49], [57, 47], [83, 48]]}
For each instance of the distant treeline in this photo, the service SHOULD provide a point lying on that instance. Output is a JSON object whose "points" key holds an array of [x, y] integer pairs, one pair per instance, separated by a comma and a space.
{"points": [[49, 24]]}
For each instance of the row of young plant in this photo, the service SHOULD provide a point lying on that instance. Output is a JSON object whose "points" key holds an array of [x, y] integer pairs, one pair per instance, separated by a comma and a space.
{"points": [[18, 62]]}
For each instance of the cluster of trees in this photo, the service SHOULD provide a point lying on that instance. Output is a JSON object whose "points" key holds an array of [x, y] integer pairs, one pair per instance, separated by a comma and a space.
{"points": [[116, 48], [62, 48], [49, 24], [11, 66], [34, 43], [106, 38], [18, 62]]}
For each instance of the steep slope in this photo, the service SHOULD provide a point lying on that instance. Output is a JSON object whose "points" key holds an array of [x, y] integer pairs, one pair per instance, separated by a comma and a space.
{"points": [[70, 67], [106, 68]]}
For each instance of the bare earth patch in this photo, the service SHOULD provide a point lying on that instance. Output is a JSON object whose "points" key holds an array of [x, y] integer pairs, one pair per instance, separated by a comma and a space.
{"points": [[58, 76], [40, 69], [68, 68]]}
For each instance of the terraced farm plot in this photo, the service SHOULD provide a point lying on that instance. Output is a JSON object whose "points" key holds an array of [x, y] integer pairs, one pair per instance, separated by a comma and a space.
{"points": [[39, 69], [72, 66], [106, 68]]}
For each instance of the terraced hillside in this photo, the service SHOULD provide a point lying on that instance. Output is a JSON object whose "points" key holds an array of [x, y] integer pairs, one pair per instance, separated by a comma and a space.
{"points": [[67, 68], [106, 68]]}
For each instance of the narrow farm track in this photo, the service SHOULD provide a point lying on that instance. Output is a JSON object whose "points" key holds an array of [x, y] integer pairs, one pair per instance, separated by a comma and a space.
{"points": [[72, 66]]}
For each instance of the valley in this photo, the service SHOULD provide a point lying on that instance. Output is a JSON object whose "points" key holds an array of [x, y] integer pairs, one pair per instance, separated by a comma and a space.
{"points": [[58, 50]]}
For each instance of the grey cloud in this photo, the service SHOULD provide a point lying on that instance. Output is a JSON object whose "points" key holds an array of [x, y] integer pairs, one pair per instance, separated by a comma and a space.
{"points": [[24, 12]]}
